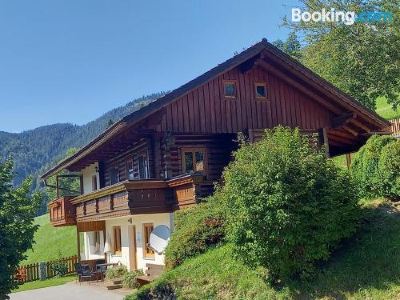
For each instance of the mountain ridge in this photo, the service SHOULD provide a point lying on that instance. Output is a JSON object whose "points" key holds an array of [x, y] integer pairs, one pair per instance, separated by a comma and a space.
{"points": [[36, 149]]}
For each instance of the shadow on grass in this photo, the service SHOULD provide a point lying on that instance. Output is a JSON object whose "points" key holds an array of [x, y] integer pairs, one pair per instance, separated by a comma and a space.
{"points": [[369, 261]]}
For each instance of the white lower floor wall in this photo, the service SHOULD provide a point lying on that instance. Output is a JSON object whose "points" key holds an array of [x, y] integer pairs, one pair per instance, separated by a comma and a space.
{"points": [[131, 250], [92, 245]]}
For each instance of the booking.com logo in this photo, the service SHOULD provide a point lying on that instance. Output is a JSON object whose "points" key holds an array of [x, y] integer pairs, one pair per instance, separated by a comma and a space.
{"points": [[337, 16]]}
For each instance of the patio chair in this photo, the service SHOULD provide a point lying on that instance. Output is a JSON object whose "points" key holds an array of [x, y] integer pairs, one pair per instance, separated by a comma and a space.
{"points": [[101, 270], [83, 272]]}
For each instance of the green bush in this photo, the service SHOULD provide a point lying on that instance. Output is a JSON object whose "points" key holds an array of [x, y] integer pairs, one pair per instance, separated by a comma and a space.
{"points": [[389, 170], [129, 279], [289, 206], [162, 290], [196, 229], [59, 269], [116, 272], [365, 166]]}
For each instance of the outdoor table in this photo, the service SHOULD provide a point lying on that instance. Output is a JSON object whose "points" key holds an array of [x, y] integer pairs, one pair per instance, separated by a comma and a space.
{"points": [[101, 269]]}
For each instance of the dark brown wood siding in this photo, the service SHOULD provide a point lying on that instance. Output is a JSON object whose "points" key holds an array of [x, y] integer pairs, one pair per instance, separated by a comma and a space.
{"points": [[218, 149], [120, 162], [206, 110]]}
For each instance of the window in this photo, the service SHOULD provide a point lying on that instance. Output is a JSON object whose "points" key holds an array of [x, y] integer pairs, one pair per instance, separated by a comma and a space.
{"points": [[117, 240], [193, 160], [138, 166], [230, 90], [147, 229], [114, 175], [188, 157], [97, 241], [261, 90], [94, 241], [94, 183], [143, 166], [130, 170]]}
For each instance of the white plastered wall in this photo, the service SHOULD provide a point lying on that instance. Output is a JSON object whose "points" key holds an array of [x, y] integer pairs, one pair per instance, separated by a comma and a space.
{"points": [[137, 221], [90, 249], [87, 174]]}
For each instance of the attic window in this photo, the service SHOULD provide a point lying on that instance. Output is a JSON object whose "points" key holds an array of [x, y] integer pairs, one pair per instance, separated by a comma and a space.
{"points": [[261, 90], [230, 90]]}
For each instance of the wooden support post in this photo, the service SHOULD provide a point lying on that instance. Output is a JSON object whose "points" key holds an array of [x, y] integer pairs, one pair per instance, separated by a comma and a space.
{"points": [[348, 160], [78, 236], [251, 135], [326, 142], [81, 184], [104, 241], [57, 187]]}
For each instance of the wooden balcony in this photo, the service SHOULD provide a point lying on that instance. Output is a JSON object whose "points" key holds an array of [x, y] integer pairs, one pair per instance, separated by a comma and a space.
{"points": [[137, 197], [62, 212]]}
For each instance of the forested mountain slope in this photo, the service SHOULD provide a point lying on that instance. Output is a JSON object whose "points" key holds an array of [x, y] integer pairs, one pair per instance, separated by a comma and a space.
{"points": [[36, 149]]}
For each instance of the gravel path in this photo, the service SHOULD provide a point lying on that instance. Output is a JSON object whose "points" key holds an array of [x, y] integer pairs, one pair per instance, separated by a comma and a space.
{"points": [[68, 291]]}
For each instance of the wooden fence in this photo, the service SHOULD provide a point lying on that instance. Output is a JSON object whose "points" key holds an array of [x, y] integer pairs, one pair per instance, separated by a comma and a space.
{"points": [[32, 272], [395, 127]]}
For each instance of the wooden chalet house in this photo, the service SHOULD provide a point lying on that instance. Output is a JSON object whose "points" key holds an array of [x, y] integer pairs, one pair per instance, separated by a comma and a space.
{"points": [[167, 155]]}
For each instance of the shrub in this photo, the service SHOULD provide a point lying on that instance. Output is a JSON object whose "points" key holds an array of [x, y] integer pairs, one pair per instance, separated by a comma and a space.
{"points": [[289, 206], [162, 290], [129, 279], [389, 170], [364, 167], [59, 269], [116, 272], [196, 229]]}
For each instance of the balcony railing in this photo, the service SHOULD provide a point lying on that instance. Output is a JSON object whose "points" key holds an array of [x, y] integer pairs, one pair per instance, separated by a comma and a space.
{"points": [[62, 211], [126, 198]]}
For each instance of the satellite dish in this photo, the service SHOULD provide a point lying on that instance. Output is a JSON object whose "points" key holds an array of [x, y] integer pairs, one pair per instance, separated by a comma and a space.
{"points": [[159, 238]]}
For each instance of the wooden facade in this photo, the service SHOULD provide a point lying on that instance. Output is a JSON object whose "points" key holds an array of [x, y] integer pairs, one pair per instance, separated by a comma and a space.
{"points": [[62, 212], [143, 160], [207, 110], [127, 198]]}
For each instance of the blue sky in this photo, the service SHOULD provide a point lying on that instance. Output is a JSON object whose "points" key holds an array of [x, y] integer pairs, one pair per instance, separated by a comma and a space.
{"points": [[73, 60]]}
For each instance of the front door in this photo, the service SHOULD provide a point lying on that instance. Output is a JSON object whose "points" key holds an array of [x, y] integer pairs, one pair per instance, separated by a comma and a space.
{"points": [[132, 248]]}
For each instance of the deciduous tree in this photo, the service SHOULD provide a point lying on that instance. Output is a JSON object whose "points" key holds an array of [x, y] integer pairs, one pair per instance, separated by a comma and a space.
{"points": [[361, 59], [17, 210]]}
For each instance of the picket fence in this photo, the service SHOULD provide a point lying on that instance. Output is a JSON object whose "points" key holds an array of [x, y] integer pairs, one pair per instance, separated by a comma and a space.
{"points": [[395, 127], [32, 272]]}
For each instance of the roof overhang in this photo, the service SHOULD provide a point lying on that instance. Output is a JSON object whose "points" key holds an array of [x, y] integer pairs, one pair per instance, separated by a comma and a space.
{"points": [[278, 62], [97, 142]]}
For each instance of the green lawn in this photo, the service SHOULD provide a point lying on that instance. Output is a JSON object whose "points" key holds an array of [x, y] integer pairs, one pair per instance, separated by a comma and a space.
{"points": [[340, 161], [385, 110], [38, 284], [366, 267], [51, 242]]}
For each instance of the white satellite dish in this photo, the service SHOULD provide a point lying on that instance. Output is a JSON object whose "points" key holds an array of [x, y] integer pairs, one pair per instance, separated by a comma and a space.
{"points": [[159, 238]]}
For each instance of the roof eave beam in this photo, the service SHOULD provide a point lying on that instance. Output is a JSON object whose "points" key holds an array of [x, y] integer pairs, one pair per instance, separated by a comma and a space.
{"points": [[343, 119]]}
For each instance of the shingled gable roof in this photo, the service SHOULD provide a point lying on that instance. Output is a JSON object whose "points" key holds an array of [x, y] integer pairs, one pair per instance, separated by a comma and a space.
{"points": [[230, 64]]}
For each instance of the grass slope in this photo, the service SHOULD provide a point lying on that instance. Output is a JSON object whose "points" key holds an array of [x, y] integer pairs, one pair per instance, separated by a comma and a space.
{"points": [[367, 267], [216, 275], [385, 110], [51, 242]]}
